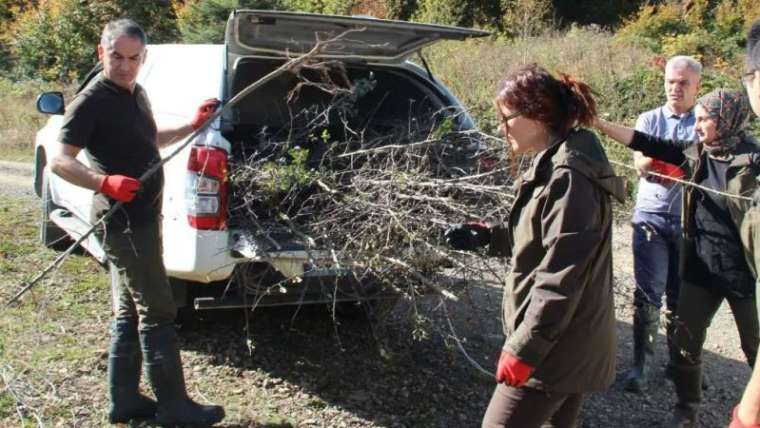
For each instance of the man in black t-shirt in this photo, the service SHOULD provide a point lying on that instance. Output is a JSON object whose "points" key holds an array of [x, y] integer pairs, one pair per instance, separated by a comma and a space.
{"points": [[111, 120]]}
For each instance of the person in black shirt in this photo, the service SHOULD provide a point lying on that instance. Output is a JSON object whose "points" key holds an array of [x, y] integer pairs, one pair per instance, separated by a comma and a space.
{"points": [[111, 120], [713, 266]]}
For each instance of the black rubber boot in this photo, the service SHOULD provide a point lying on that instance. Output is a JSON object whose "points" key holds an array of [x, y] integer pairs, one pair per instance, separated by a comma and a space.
{"points": [[124, 365], [164, 369], [688, 383], [646, 320], [670, 329]]}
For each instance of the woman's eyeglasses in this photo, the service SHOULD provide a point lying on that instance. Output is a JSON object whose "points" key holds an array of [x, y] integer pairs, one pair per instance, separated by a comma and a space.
{"points": [[747, 78], [504, 119]]}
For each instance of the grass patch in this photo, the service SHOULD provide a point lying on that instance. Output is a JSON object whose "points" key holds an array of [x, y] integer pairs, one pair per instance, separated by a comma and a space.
{"points": [[51, 343], [19, 118], [7, 405], [18, 229]]}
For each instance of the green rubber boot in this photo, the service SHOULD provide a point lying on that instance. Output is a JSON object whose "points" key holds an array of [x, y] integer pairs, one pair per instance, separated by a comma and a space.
{"points": [[646, 320], [164, 369], [124, 365], [688, 383]]}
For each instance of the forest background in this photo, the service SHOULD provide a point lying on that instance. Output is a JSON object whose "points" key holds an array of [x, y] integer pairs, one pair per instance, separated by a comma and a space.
{"points": [[619, 47]]}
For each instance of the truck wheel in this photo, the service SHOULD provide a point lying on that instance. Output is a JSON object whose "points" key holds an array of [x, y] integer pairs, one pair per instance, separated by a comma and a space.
{"points": [[51, 235]]}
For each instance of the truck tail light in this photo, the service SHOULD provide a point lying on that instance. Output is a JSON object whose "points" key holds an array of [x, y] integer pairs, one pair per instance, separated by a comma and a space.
{"points": [[206, 188]]}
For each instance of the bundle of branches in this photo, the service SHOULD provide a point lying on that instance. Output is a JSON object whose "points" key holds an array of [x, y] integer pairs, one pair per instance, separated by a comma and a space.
{"points": [[375, 196]]}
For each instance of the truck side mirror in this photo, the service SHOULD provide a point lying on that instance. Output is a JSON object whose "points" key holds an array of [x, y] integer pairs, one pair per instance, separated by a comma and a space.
{"points": [[50, 103]]}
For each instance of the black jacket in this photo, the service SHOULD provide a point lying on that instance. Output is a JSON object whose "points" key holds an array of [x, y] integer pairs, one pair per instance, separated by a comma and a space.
{"points": [[711, 251]]}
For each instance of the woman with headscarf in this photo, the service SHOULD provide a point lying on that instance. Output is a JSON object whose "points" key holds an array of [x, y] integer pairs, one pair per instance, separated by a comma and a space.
{"points": [[713, 265]]}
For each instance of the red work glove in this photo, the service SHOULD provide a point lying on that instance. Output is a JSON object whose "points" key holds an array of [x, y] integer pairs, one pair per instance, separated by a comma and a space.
{"points": [[205, 110], [512, 371], [736, 423], [119, 187], [668, 169]]}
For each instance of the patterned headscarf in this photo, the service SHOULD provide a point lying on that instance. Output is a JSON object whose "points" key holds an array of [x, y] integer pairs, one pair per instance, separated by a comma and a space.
{"points": [[731, 111]]}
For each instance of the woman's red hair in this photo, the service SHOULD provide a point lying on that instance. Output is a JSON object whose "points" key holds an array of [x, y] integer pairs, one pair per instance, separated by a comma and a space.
{"points": [[561, 103]]}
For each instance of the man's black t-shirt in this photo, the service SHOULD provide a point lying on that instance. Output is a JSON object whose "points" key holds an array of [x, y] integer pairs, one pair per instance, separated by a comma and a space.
{"points": [[117, 129]]}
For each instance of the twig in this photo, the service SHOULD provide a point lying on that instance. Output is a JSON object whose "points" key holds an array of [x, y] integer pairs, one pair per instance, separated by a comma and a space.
{"points": [[290, 66]]}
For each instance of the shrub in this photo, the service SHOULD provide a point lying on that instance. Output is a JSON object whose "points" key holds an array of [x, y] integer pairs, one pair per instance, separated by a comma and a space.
{"points": [[463, 13], [650, 23], [203, 21], [57, 40], [712, 30], [527, 18], [600, 12]]}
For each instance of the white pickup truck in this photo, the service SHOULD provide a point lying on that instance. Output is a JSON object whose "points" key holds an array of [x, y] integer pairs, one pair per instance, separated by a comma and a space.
{"points": [[203, 250]]}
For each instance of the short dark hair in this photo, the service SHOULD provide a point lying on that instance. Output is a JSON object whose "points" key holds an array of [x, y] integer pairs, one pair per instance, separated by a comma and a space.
{"points": [[753, 47], [122, 27], [562, 103]]}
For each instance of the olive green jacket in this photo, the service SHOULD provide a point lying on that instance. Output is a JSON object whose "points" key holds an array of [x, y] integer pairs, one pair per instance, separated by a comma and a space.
{"points": [[558, 300]]}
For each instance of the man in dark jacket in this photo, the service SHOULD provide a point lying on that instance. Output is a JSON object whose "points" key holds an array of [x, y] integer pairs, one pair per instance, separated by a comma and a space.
{"points": [[111, 120]]}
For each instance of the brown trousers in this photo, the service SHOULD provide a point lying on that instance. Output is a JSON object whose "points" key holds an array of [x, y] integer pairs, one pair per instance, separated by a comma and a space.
{"points": [[531, 408]]}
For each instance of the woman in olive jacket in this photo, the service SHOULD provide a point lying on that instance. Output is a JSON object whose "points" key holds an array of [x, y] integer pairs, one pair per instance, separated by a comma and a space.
{"points": [[713, 264], [559, 316]]}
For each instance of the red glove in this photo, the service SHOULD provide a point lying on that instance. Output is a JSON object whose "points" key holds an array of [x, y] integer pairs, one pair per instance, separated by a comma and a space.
{"points": [[119, 187], [206, 109], [736, 423], [512, 371], [668, 169]]}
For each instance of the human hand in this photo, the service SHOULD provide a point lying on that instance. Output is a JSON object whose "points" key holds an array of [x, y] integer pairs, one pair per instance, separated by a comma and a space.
{"points": [[468, 236], [205, 111], [736, 423], [512, 371], [643, 164], [119, 187], [756, 196]]}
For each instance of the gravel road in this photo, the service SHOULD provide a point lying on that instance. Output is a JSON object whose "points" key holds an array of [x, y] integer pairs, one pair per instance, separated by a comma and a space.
{"points": [[16, 178]]}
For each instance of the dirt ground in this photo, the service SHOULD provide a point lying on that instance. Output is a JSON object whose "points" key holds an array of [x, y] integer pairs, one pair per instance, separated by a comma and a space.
{"points": [[305, 369]]}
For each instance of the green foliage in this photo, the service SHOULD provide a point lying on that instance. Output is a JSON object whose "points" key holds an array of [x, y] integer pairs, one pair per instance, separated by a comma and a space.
{"points": [[650, 23], [400, 9], [601, 12], [711, 30], [57, 40], [632, 95], [287, 174], [203, 21], [331, 7], [526, 18], [463, 13]]}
